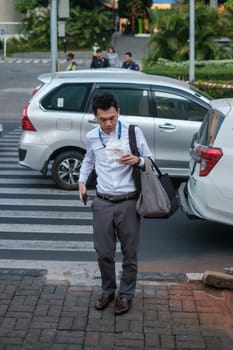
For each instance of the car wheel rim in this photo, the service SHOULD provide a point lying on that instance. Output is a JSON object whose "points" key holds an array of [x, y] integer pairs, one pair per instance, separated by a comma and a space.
{"points": [[69, 171]]}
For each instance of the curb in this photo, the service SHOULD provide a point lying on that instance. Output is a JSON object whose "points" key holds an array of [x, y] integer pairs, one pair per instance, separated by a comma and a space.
{"points": [[142, 276], [161, 276], [23, 272]]}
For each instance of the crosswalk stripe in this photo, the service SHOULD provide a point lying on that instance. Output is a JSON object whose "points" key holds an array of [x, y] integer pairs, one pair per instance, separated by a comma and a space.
{"points": [[42, 191], [46, 245], [45, 214], [33, 181], [9, 166], [3, 141], [36, 216], [78, 246], [36, 228], [9, 160], [42, 202]]}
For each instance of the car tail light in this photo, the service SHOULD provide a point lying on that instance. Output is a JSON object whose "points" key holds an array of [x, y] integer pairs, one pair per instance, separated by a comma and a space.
{"points": [[208, 157], [34, 91], [26, 122]]}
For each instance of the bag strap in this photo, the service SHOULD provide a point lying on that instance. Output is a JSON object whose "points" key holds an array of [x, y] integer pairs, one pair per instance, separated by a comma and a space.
{"points": [[132, 140], [134, 150], [155, 166]]}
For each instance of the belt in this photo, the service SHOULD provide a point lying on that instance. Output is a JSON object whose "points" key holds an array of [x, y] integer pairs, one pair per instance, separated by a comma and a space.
{"points": [[117, 199]]}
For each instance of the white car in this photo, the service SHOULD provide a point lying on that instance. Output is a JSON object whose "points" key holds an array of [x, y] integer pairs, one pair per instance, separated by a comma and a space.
{"points": [[208, 194]]}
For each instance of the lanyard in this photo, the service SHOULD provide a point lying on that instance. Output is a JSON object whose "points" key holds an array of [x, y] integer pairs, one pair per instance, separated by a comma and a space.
{"points": [[118, 134]]}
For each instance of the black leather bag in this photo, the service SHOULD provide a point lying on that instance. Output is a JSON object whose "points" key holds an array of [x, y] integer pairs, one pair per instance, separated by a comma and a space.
{"points": [[157, 198]]}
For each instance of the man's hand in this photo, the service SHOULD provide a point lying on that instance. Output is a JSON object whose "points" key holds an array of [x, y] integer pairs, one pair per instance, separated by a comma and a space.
{"points": [[82, 191], [129, 159]]}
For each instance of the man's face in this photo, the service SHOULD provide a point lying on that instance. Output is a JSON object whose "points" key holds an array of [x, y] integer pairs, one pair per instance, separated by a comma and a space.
{"points": [[99, 54], [127, 58], [107, 119]]}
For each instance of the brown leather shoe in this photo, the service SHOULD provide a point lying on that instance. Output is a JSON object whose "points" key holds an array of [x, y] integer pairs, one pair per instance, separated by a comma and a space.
{"points": [[122, 305], [103, 301]]}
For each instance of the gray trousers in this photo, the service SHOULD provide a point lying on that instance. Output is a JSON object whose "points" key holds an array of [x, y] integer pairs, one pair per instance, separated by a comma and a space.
{"points": [[112, 221]]}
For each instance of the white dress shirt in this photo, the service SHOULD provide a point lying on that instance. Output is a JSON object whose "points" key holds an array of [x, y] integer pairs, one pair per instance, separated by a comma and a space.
{"points": [[112, 178]]}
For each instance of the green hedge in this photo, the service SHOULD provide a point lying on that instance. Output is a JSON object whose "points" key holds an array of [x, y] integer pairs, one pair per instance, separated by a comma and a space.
{"points": [[210, 76], [218, 91]]}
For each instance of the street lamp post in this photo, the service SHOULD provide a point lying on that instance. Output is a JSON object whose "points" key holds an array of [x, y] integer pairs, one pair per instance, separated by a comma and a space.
{"points": [[53, 35], [191, 40]]}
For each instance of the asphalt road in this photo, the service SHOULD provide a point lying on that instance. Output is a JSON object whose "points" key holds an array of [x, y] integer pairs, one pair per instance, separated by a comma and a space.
{"points": [[167, 245]]}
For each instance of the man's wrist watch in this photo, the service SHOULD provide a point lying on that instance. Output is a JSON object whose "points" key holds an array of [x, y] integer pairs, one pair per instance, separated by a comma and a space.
{"points": [[138, 162]]}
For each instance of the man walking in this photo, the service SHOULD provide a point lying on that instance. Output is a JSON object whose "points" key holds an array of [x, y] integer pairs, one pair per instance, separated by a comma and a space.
{"points": [[99, 61], [129, 63], [114, 207]]}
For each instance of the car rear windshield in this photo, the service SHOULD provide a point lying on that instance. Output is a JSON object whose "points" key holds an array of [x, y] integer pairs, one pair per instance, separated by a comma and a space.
{"points": [[210, 127]]}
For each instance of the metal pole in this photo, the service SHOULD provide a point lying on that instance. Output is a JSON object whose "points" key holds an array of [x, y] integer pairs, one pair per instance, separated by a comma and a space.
{"points": [[4, 46], [53, 35], [191, 40]]}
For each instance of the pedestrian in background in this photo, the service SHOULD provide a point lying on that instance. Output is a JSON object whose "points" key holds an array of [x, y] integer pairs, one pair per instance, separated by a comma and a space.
{"points": [[99, 61], [114, 207], [94, 48], [113, 57], [72, 64], [129, 63]]}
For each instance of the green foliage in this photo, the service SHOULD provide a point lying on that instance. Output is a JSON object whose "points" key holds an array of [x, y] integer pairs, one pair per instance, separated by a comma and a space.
{"points": [[170, 40], [204, 70], [36, 28], [17, 45], [24, 6], [215, 91], [85, 27], [229, 5], [82, 28], [210, 76]]}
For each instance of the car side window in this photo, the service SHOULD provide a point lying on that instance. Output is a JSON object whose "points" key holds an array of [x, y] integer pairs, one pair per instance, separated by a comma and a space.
{"points": [[132, 101], [174, 106], [67, 97]]}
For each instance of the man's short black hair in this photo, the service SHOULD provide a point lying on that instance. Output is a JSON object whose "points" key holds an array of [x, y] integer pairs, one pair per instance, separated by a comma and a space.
{"points": [[104, 102], [129, 54]]}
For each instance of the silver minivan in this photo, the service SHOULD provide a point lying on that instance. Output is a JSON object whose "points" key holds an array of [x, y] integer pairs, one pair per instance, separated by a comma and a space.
{"points": [[58, 116]]}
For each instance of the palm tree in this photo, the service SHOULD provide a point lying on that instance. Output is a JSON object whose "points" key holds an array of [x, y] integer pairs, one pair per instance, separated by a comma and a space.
{"points": [[85, 27], [36, 28], [170, 33]]}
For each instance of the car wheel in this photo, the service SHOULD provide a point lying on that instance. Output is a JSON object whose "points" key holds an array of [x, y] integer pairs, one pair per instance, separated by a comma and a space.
{"points": [[66, 168]]}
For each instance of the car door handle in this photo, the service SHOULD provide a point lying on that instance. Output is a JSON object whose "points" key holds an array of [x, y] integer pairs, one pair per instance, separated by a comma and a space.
{"points": [[167, 126], [92, 121]]}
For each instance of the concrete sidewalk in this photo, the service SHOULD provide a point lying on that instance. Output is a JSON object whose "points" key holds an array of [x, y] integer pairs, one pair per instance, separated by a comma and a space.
{"points": [[38, 314]]}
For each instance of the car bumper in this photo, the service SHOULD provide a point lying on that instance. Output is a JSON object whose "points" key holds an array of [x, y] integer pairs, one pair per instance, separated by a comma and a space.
{"points": [[185, 204], [28, 159]]}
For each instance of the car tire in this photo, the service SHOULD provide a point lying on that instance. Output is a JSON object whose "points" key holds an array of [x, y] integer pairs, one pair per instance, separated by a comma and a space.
{"points": [[66, 168]]}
